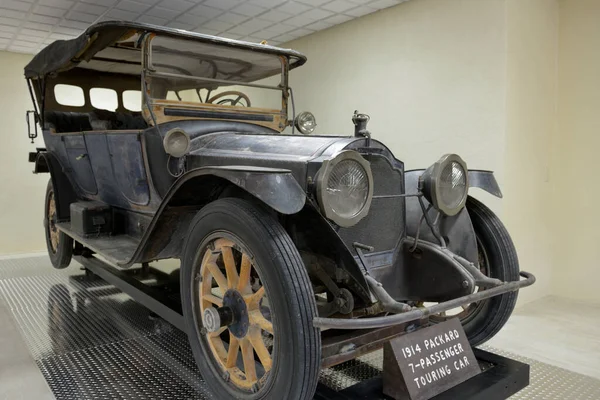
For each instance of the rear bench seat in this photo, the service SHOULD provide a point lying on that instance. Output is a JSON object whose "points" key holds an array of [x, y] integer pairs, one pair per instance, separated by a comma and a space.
{"points": [[67, 121], [62, 121]]}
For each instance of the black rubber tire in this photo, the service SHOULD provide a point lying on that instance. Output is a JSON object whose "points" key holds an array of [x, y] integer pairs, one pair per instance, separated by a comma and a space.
{"points": [[297, 355], [503, 265], [61, 258]]}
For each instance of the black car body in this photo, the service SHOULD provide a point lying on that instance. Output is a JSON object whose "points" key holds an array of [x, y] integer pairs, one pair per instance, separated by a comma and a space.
{"points": [[127, 185]]}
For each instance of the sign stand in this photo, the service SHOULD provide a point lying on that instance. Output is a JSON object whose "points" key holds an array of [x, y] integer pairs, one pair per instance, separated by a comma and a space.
{"points": [[428, 361], [393, 381]]}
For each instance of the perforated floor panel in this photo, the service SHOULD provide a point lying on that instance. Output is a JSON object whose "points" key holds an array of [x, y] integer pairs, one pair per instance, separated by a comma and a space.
{"points": [[91, 341]]}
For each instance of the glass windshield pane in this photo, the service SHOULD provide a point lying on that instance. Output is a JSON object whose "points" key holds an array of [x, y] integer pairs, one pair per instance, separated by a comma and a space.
{"points": [[180, 65], [208, 92], [186, 57]]}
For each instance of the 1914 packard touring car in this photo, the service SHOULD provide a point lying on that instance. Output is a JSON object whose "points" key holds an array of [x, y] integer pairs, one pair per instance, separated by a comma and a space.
{"points": [[162, 143]]}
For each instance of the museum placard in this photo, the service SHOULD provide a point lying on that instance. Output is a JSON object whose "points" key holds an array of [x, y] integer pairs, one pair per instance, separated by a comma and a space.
{"points": [[429, 361]]}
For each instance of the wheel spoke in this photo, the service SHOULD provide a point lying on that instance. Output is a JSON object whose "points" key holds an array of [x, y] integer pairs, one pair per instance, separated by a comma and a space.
{"points": [[232, 353], [229, 261], [213, 299], [256, 318], [248, 357], [245, 270], [217, 333], [218, 275], [253, 300], [263, 354]]}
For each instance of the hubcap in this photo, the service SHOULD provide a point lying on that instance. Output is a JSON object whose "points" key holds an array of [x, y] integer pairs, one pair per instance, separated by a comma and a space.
{"points": [[236, 314], [52, 230]]}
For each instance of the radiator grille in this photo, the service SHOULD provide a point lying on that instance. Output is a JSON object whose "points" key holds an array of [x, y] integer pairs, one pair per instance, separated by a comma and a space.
{"points": [[384, 224]]}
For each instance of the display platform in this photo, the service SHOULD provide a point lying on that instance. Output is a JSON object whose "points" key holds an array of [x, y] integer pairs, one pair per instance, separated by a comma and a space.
{"points": [[89, 340], [501, 377]]}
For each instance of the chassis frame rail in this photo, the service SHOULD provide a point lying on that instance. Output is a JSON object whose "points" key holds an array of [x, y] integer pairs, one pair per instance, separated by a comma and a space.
{"points": [[150, 297], [419, 313]]}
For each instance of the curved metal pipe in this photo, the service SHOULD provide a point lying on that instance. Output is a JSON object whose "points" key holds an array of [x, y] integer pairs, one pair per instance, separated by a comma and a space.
{"points": [[388, 303], [415, 314]]}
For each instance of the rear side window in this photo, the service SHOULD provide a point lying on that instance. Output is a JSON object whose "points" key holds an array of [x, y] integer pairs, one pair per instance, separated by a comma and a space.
{"points": [[104, 99], [132, 100], [69, 95]]}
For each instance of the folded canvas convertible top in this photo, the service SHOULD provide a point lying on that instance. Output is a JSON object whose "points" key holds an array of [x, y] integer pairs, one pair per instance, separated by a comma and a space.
{"points": [[63, 55]]}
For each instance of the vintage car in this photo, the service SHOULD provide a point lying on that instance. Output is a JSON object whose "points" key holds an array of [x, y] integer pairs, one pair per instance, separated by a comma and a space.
{"points": [[297, 252]]}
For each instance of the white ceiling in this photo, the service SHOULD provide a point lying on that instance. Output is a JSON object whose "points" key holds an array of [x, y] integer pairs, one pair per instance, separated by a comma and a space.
{"points": [[28, 26]]}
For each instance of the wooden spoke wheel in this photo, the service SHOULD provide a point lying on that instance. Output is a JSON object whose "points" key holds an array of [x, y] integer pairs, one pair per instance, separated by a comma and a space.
{"points": [[242, 339], [53, 230], [248, 305], [60, 246]]}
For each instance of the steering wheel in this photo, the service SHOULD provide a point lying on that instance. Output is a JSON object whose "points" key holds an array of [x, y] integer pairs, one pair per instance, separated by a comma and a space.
{"points": [[231, 102]]}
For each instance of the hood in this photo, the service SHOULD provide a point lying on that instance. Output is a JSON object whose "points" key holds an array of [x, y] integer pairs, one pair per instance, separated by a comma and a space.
{"points": [[268, 146]]}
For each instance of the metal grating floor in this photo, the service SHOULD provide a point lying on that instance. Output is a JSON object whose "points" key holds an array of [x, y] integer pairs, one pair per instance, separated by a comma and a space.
{"points": [[91, 341]]}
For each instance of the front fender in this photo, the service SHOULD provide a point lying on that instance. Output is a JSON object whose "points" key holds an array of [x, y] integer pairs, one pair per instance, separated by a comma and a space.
{"points": [[480, 178], [275, 187], [457, 230]]}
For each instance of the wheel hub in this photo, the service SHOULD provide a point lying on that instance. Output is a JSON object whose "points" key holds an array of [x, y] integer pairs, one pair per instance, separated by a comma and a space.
{"points": [[234, 300], [233, 314]]}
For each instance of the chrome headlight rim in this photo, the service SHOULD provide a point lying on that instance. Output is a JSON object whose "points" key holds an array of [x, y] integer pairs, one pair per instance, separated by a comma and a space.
{"points": [[298, 122], [431, 188], [321, 184], [176, 149]]}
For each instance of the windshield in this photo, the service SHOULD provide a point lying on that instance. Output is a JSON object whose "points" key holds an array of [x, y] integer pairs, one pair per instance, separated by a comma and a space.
{"points": [[194, 72]]}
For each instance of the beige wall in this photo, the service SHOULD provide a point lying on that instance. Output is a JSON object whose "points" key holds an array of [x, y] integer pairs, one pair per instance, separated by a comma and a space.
{"points": [[21, 192], [531, 102], [577, 265]]}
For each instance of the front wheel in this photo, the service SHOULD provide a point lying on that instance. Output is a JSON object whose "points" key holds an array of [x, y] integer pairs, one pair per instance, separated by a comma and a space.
{"points": [[248, 305], [497, 259]]}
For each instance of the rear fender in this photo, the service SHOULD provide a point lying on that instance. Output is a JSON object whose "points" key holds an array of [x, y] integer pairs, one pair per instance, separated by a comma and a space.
{"points": [[64, 194]]}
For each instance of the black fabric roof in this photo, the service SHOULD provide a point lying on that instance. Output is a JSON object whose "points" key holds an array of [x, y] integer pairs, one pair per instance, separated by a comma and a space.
{"points": [[62, 55]]}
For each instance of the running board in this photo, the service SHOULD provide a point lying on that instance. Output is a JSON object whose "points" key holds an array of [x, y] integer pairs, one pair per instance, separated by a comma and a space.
{"points": [[423, 312], [116, 249]]}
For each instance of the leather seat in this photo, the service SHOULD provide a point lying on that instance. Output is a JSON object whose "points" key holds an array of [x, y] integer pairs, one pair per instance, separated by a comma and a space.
{"points": [[62, 121], [130, 121]]}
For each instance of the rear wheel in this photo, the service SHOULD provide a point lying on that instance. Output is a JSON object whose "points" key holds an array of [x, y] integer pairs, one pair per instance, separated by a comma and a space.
{"points": [[60, 246], [497, 259], [248, 305]]}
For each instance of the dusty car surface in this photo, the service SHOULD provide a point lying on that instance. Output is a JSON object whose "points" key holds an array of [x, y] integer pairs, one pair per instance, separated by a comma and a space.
{"points": [[162, 143]]}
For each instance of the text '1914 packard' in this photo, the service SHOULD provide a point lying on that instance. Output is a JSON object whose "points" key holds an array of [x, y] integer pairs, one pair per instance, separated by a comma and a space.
{"points": [[162, 143]]}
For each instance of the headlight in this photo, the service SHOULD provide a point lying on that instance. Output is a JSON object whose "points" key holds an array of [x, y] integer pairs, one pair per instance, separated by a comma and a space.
{"points": [[176, 142], [345, 188], [306, 123], [445, 184]]}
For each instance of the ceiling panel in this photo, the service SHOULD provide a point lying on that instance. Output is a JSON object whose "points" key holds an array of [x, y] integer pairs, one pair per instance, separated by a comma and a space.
{"points": [[29, 26]]}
